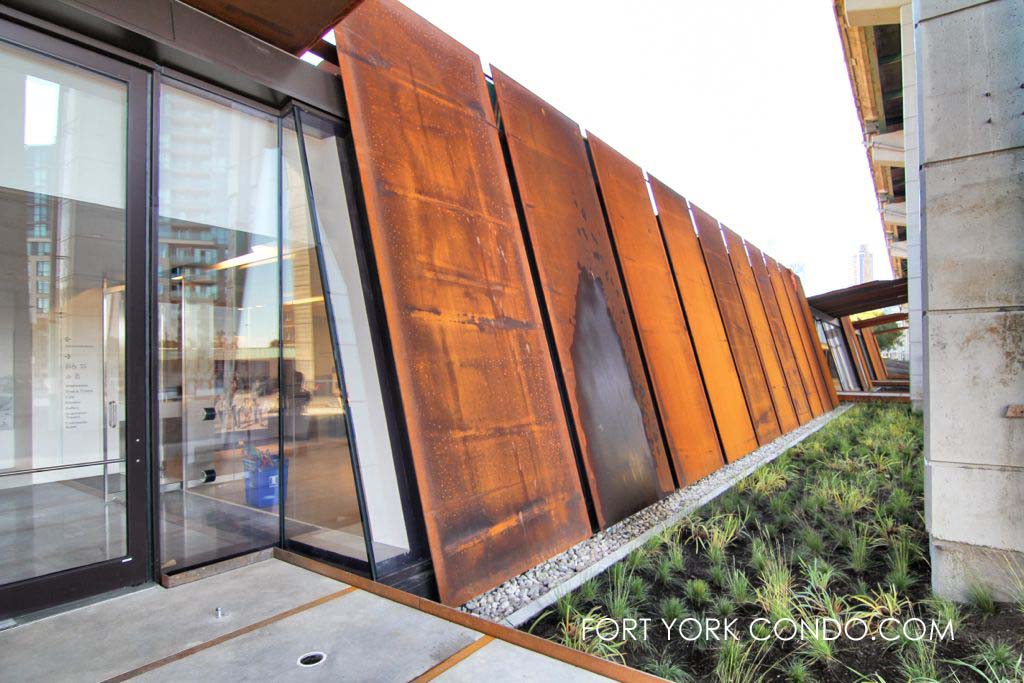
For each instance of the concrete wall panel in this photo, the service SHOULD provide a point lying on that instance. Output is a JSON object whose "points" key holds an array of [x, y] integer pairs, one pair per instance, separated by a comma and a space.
{"points": [[971, 96], [975, 370], [975, 246]]}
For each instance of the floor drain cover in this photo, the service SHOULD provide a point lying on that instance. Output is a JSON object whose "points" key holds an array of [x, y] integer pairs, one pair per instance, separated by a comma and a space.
{"points": [[312, 659]]}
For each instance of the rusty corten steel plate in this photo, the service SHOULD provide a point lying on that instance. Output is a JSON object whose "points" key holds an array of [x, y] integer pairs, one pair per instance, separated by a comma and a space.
{"points": [[622, 448], [785, 284], [874, 354], [292, 26], [796, 340], [490, 444], [853, 344], [797, 387], [812, 330], [737, 327], [706, 327], [762, 332], [664, 337]]}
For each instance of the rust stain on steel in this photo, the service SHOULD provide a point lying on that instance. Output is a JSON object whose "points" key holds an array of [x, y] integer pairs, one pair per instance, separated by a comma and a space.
{"points": [[706, 327], [762, 332], [853, 344], [786, 280], [819, 352], [621, 444], [664, 337], [796, 339], [737, 327], [490, 444], [797, 388]]}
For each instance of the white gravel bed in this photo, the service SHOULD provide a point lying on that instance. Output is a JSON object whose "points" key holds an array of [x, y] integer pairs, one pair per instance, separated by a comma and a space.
{"points": [[523, 597]]}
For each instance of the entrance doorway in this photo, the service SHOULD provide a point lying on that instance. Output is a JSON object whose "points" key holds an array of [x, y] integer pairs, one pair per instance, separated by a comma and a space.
{"points": [[73, 485]]}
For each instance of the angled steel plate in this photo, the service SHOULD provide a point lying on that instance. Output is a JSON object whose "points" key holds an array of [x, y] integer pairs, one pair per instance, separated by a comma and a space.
{"points": [[664, 337], [796, 339], [794, 378], [874, 354], [706, 327], [784, 284], [490, 444], [621, 444], [812, 331], [761, 330], [853, 344], [737, 327]]}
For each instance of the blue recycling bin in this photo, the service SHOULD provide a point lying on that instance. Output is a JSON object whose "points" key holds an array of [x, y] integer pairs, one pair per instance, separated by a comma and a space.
{"points": [[262, 486]]}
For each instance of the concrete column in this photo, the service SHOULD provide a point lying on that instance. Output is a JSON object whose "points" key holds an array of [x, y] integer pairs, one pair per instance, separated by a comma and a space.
{"points": [[912, 164], [971, 61]]}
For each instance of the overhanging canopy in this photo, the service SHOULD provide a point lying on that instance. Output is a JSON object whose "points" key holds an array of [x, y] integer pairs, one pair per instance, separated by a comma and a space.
{"points": [[868, 296]]}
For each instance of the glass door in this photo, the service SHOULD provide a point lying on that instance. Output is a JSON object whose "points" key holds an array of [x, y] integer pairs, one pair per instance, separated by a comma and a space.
{"points": [[73, 490]]}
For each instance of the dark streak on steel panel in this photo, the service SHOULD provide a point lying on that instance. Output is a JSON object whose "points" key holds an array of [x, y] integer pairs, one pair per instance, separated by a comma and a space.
{"points": [[661, 325], [620, 440]]}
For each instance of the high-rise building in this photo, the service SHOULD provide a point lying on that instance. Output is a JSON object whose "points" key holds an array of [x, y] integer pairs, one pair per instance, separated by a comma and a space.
{"points": [[862, 267]]}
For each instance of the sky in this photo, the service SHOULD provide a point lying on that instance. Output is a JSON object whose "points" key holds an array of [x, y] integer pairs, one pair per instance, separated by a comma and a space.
{"points": [[744, 107]]}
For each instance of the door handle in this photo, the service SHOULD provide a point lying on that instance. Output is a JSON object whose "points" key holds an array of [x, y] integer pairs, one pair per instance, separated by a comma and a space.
{"points": [[112, 414]]}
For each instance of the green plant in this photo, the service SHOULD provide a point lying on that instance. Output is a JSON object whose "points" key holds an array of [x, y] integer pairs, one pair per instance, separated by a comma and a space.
{"points": [[798, 672], [981, 597], [724, 607], [999, 659], [812, 540], [618, 598], [739, 587], [638, 560], [775, 594], [917, 662], [819, 574], [671, 608], [638, 588], [718, 575], [860, 549], [818, 647], [664, 667], [945, 612], [758, 554], [579, 631], [676, 559], [589, 590], [566, 605], [663, 572], [740, 662], [697, 592]]}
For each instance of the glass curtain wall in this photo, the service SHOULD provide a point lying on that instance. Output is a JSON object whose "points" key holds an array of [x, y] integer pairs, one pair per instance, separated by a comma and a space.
{"points": [[62, 311], [265, 366]]}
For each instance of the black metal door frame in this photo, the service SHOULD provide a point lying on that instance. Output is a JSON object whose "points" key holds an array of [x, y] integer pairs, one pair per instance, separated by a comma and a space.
{"points": [[135, 567]]}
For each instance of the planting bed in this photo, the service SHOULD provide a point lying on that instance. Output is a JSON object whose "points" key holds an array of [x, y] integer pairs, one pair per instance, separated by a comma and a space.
{"points": [[830, 535]]}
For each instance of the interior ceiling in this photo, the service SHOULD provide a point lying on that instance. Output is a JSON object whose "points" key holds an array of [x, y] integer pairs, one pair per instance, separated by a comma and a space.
{"points": [[292, 26]]}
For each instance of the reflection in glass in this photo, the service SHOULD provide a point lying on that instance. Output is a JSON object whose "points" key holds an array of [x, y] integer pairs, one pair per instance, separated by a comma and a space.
{"points": [[62, 289], [322, 505], [354, 339], [218, 329]]}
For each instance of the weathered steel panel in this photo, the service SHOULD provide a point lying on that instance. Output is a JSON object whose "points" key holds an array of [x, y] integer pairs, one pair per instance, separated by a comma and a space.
{"points": [[796, 339], [737, 327], [875, 354], [853, 344], [664, 338], [621, 444], [706, 327], [786, 281], [761, 330], [819, 352], [797, 387], [490, 444]]}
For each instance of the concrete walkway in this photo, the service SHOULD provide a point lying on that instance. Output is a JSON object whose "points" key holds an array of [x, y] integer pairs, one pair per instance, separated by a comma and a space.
{"points": [[271, 614]]}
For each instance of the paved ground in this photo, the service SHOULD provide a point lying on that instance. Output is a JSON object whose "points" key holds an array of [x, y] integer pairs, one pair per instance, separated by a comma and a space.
{"points": [[272, 613]]}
